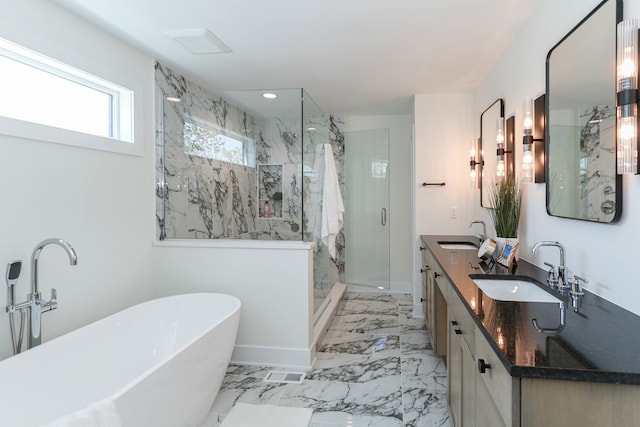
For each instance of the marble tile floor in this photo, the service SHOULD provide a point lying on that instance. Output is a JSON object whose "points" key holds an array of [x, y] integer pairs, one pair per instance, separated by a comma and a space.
{"points": [[375, 368]]}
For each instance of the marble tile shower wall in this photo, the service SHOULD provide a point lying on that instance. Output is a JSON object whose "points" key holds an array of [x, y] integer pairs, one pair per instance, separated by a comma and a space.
{"points": [[598, 125], [203, 198], [279, 143], [333, 135], [195, 192]]}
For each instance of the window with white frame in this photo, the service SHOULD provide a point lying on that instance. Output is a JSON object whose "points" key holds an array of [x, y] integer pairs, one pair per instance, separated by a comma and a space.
{"points": [[43, 92], [204, 139]]}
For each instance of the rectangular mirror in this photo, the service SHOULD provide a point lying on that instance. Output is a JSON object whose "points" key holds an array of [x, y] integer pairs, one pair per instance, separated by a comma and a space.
{"points": [[488, 146], [581, 120]]}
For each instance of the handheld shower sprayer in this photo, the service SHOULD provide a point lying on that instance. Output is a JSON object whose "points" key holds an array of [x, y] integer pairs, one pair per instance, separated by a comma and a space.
{"points": [[13, 273]]}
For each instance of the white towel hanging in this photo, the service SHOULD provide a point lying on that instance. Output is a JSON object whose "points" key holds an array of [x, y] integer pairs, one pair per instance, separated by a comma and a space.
{"points": [[332, 205]]}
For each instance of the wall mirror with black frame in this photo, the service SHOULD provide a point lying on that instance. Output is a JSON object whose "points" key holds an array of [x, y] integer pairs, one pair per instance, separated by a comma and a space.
{"points": [[581, 120], [488, 145]]}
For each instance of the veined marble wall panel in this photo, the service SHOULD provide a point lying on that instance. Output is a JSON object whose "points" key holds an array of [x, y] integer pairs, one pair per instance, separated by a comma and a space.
{"points": [[176, 199], [204, 198], [329, 130], [280, 143], [597, 131], [199, 197], [209, 201], [336, 139]]}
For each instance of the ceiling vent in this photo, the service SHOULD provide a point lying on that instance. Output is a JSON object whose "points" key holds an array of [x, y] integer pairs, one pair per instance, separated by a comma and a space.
{"points": [[199, 41]]}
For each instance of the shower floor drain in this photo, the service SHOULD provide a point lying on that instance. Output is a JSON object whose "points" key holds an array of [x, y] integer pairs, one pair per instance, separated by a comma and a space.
{"points": [[284, 377]]}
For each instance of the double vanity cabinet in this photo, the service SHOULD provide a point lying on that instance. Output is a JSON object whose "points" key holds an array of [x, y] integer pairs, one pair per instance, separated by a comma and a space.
{"points": [[584, 370]]}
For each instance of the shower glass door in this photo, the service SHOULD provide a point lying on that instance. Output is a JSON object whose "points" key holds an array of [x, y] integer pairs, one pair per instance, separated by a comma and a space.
{"points": [[367, 208]]}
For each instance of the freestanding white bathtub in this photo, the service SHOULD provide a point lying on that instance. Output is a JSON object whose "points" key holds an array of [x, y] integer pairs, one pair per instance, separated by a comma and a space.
{"points": [[162, 362]]}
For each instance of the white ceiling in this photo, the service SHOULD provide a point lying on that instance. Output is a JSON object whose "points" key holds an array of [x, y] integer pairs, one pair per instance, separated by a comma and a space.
{"points": [[351, 56]]}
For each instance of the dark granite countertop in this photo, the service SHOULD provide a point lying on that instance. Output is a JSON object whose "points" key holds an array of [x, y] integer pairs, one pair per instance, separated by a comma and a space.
{"points": [[599, 343]]}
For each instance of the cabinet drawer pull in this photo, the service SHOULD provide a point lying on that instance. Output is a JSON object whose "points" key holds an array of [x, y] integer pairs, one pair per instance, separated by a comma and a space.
{"points": [[424, 270], [454, 322], [436, 274], [422, 248], [422, 300], [483, 366], [458, 331]]}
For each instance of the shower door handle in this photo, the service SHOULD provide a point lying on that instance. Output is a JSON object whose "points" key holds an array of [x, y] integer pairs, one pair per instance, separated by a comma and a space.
{"points": [[383, 216]]}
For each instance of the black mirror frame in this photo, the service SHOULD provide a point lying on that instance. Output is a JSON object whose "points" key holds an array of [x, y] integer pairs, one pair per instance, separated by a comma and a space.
{"points": [[618, 179]]}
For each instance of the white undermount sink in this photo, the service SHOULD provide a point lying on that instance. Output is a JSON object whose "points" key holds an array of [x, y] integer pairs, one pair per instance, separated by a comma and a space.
{"points": [[514, 290], [458, 245]]}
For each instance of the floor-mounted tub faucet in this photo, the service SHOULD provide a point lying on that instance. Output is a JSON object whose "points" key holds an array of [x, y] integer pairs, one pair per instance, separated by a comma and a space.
{"points": [[562, 268], [37, 305], [482, 236]]}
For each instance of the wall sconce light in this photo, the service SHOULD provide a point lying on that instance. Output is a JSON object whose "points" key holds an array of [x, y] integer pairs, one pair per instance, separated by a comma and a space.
{"points": [[627, 97], [533, 148], [505, 147], [527, 141], [500, 152], [473, 173]]}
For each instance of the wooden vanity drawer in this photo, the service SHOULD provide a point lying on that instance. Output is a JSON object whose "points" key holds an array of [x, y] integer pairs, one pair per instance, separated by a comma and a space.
{"points": [[503, 388], [462, 322]]}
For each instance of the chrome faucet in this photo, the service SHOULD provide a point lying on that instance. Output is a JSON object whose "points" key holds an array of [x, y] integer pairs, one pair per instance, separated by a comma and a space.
{"points": [[36, 304], [484, 229], [561, 278]]}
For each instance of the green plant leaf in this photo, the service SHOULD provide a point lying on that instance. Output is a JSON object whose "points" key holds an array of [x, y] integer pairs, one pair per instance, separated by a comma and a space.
{"points": [[506, 198]]}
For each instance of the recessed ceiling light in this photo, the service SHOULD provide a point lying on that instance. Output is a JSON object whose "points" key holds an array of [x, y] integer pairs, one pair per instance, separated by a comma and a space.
{"points": [[198, 40], [172, 98], [269, 95], [311, 129]]}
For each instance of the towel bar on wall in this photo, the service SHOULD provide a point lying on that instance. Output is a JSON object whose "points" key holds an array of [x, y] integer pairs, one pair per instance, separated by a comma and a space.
{"points": [[440, 184]]}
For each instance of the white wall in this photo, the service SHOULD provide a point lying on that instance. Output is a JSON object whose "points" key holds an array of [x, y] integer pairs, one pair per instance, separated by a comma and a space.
{"points": [[272, 280], [100, 202], [604, 254], [400, 151], [103, 204], [443, 130]]}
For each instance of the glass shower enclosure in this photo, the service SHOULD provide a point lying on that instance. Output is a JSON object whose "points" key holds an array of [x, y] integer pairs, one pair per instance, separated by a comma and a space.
{"points": [[242, 165]]}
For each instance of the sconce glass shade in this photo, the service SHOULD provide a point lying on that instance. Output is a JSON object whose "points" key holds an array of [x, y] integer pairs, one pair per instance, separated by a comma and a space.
{"points": [[500, 130], [472, 163], [527, 141], [627, 87], [527, 111], [475, 163], [527, 164], [500, 168]]}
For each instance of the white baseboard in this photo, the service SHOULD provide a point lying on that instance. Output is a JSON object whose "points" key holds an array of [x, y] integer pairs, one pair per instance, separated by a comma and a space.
{"points": [[418, 312], [280, 357]]}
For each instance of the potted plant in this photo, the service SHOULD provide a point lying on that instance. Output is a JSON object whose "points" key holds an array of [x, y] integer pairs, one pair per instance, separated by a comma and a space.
{"points": [[506, 199]]}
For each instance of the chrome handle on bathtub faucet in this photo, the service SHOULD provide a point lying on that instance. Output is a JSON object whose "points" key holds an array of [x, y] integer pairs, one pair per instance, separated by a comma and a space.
{"points": [[52, 304]]}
